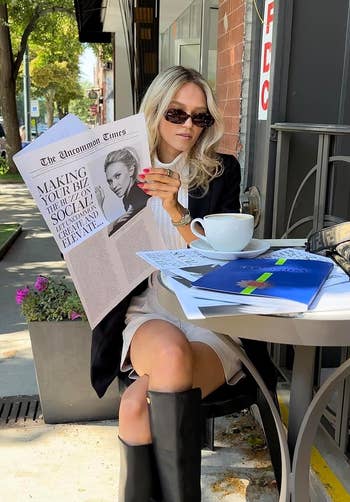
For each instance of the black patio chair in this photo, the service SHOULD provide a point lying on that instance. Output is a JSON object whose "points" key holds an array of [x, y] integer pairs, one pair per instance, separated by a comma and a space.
{"points": [[229, 399]]}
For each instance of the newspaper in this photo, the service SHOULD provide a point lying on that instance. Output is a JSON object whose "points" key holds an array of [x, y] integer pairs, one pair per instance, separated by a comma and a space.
{"points": [[76, 179]]}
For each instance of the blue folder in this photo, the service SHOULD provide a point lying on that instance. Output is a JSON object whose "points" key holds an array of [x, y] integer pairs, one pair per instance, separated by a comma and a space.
{"points": [[287, 281]]}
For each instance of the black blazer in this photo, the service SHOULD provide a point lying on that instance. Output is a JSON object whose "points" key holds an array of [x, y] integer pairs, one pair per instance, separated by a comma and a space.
{"points": [[222, 197]]}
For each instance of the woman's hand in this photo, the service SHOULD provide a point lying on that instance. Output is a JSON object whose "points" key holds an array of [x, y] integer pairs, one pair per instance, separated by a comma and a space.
{"points": [[100, 195], [165, 184]]}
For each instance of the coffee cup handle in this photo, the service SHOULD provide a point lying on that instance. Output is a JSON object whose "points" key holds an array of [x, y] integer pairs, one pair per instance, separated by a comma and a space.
{"points": [[195, 232]]}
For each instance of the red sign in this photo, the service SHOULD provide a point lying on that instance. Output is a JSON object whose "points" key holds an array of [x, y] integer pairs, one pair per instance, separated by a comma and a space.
{"points": [[93, 109], [265, 63]]}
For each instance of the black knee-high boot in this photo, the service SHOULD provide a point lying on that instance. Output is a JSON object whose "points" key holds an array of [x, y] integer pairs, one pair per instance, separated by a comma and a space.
{"points": [[138, 479], [176, 433]]}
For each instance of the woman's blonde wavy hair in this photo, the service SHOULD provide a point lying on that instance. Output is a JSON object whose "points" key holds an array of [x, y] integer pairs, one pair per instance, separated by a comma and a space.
{"points": [[203, 161]]}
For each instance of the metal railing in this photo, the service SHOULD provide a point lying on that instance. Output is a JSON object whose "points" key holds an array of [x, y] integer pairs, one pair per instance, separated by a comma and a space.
{"points": [[320, 171]]}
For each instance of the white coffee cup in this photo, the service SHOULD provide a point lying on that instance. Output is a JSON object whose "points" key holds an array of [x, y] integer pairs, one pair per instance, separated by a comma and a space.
{"points": [[225, 231]]}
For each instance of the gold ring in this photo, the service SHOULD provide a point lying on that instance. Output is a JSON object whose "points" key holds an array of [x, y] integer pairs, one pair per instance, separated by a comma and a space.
{"points": [[169, 173]]}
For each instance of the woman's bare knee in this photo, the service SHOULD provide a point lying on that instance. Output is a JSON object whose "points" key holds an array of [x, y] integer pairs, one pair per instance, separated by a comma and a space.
{"points": [[172, 370], [134, 425], [132, 408], [161, 350]]}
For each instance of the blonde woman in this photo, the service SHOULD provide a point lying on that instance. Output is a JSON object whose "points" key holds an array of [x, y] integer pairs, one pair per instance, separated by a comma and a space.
{"points": [[172, 364]]}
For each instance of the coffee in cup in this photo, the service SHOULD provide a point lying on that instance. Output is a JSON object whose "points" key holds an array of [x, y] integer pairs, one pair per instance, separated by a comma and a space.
{"points": [[225, 231]]}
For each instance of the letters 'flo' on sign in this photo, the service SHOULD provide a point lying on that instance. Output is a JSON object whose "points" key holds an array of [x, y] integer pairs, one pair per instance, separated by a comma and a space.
{"points": [[265, 62]]}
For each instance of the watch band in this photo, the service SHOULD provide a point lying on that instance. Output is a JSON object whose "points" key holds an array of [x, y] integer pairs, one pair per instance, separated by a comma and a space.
{"points": [[185, 219], [334, 241], [329, 237]]}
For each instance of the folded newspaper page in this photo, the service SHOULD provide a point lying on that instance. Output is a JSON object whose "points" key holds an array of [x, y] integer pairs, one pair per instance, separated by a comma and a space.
{"points": [[84, 183]]}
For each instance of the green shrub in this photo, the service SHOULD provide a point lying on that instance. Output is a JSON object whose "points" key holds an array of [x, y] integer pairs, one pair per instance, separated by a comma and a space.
{"points": [[4, 167]]}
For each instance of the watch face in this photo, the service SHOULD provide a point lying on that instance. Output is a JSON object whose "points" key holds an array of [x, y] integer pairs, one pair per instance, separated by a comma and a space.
{"points": [[185, 219]]}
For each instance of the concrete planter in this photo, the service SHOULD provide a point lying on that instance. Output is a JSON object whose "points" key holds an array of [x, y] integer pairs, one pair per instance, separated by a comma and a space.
{"points": [[61, 353]]}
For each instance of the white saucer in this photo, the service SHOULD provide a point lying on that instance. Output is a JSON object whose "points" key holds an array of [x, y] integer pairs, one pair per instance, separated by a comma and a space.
{"points": [[253, 249]]}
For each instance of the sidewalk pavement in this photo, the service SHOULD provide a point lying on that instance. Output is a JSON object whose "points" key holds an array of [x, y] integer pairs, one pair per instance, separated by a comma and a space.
{"points": [[79, 462]]}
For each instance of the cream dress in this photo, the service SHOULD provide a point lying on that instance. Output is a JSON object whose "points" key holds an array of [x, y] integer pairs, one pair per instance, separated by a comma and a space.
{"points": [[146, 306]]}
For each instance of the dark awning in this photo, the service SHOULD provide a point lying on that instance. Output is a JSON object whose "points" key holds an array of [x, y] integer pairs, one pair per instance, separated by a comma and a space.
{"points": [[88, 14]]}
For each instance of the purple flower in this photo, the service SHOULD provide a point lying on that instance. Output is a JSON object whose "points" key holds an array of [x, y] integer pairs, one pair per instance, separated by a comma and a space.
{"points": [[74, 315], [21, 295], [41, 283]]}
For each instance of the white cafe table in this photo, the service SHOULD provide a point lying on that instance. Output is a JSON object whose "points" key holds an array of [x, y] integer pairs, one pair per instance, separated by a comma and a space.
{"points": [[305, 332]]}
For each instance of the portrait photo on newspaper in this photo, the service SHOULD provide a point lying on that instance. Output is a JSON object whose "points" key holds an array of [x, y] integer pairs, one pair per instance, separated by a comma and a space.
{"points": [[117, 194]]}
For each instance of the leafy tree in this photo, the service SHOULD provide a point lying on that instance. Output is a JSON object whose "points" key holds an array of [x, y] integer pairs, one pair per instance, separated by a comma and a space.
{"points": [[55, 67], [55, 83], [104, 52], [81, 105], [19, 19]]}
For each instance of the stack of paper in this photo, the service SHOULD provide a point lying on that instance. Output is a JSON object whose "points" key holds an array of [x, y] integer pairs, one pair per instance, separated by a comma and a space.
{"points": [[180, 268]]}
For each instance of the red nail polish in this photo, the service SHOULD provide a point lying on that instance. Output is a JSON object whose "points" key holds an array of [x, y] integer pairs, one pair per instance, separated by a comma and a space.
{"points": [[146, 170], [140, 185], [142, 176]]}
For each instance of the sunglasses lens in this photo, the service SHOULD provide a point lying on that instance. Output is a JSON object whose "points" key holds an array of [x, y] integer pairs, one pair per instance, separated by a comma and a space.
{"points": [[202, 119], [176, 116]]}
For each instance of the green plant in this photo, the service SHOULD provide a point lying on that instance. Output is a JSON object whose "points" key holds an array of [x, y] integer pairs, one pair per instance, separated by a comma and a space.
{"points": [[50, 299], [4, 167]]}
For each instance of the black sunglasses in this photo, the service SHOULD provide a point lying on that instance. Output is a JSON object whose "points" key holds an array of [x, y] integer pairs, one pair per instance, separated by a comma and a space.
{"points": [[178, 116]]}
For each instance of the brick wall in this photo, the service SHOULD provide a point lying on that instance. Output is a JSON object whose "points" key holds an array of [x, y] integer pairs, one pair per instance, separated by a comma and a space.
{"points": [[230, 70]]}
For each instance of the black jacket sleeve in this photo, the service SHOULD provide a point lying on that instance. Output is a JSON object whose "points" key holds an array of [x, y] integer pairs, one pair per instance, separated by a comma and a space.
{"points": [[226, 189], [223, 193], [107, 342]]}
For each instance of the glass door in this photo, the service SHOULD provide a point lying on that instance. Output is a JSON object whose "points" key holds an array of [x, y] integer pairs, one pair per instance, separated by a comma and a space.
{"points": [[187, 53]]}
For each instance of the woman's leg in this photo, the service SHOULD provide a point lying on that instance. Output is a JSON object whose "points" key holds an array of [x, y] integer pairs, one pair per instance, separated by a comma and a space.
{"points": [[136, 450], [133, 413], [138, 474], [167, 362], [160, 350], [208, 373], [173, 366]]}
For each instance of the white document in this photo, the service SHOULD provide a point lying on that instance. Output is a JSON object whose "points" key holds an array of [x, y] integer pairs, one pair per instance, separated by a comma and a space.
{"points": [[99, 236], [174, 259]]}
